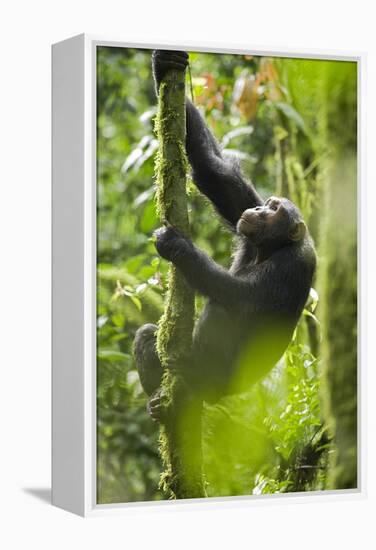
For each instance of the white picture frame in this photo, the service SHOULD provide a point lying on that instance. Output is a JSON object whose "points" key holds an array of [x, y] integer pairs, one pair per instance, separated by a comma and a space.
{"points": [[74, 276]]}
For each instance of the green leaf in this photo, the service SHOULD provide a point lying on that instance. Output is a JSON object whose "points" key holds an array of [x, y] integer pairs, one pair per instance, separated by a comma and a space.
{"points": [[280, 133], [309, 314], [118, 319], [315, 299], [137, 302], [149, 218], [112, 355], [291, 114], [241, 131], [144, 150]]}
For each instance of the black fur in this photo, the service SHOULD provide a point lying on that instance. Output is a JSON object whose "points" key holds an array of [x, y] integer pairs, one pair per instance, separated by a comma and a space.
{"points": [[253, 308]]}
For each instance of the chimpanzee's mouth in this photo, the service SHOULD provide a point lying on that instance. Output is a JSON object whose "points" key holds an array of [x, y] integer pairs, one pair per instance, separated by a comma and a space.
{"points": [[243, 223], [245, 227], [253, 222]]}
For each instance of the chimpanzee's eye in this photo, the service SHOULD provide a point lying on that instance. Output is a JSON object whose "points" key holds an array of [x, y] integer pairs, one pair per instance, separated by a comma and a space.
{"points": [[272, 203]]}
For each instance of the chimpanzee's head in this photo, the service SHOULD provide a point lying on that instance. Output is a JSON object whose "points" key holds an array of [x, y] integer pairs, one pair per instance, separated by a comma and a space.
{"points": [[276, 223]]}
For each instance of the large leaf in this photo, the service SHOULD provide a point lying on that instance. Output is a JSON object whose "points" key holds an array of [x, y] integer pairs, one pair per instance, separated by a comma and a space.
{"points": [[291, 114], [241, 131], [113, 356]]}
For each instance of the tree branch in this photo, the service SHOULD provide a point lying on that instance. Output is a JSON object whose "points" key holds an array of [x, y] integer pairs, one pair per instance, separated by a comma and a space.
{"points": [[180, 438]]}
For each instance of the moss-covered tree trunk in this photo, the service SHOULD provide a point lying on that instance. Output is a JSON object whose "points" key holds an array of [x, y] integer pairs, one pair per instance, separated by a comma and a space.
{"points": [[180, 438], [338, 279], [331, 217], [339, 347]]}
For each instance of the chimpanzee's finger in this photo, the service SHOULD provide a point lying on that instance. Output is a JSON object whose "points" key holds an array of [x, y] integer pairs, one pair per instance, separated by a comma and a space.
{"points": [[167, 53], [168, 65]]}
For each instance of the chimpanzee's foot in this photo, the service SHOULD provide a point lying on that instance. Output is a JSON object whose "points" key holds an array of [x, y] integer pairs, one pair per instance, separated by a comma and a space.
{"points": [[146, 358], [156, 408]]}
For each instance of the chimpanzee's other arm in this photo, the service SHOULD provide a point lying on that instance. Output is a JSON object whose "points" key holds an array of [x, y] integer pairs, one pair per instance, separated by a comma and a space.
{"points": [[221, 181], [201, 272]]}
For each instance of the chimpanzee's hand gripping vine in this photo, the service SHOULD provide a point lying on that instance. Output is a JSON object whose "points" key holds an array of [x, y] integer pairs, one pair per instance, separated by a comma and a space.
{"points": [[253, 307]]}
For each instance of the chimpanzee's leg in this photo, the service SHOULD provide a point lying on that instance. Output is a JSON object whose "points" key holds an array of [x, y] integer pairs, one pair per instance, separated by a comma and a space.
{"points": [[146, 358]]}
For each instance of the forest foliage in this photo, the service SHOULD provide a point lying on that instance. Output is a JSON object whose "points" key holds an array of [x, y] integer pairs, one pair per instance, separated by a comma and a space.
{"points": [[290, 122]]}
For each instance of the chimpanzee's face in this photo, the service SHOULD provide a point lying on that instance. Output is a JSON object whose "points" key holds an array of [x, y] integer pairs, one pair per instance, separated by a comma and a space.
{"points": [[277, 221]]}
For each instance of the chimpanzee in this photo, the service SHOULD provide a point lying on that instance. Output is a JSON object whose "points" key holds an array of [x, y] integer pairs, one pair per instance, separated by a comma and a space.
{"points": [[253, 308]]}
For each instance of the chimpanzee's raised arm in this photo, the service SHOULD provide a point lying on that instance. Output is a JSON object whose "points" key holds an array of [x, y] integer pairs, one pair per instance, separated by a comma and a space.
{"points": [[220, 180]]}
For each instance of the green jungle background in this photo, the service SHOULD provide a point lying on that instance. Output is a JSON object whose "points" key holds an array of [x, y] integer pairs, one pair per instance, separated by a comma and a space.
{"points": [[293, 125]]}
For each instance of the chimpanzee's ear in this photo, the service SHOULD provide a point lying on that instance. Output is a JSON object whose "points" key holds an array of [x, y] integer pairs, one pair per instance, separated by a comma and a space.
{"points": [[298, 231]]}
